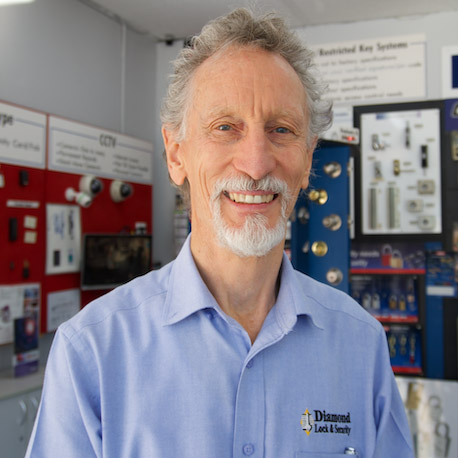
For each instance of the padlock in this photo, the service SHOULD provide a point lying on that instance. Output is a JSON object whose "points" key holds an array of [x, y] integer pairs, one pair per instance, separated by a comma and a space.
{"points": [[441, 440], [392, 345], [396, 261], [413, 348], [386, 255], [403, 344], [376, 301], [367, 299], [393, 302], [402, 303]]}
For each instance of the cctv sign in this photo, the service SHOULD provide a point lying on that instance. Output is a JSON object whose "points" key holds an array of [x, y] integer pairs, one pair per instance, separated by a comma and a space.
{"points": [[82, 149]]}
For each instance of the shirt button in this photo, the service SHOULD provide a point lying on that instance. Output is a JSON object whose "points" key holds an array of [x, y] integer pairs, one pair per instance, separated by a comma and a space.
{"points": [[248, 449], [249, 364]]}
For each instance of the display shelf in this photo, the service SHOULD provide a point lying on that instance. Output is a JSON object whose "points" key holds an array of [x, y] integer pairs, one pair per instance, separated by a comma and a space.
{"points": [[407, 370], [363, 271], [413, 319], [14, 386]]}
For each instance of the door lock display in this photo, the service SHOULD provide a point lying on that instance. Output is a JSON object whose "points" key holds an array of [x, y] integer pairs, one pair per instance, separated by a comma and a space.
{"points": [[400, 172]]}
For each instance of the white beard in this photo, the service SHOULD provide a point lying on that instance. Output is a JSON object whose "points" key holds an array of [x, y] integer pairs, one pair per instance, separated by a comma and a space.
{"points": [[254, 238]]}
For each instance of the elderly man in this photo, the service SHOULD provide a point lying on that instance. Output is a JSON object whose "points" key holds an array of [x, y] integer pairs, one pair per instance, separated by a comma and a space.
{"points": [[228, 351]]}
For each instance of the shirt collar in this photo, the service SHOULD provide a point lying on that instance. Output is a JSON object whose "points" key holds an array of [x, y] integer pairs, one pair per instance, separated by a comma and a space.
{"points": [[187, 293], [298, 296]]}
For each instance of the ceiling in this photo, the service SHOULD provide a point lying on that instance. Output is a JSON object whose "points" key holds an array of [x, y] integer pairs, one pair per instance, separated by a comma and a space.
{"points": [[165, 19]]}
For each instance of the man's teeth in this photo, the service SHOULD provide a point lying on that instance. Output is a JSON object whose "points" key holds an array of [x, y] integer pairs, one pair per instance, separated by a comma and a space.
{"points": [[250, 198]]}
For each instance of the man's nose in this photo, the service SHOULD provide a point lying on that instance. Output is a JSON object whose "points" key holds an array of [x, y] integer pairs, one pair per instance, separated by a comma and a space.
{"points": [[254, 155]]}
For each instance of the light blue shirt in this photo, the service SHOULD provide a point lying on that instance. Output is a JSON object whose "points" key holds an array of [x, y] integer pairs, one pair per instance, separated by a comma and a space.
{"points": [[156, 369]]}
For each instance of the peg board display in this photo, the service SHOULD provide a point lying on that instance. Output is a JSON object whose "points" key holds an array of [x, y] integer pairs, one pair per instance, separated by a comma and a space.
{"points": [[22, 190], [59, 180], [401, 172]]}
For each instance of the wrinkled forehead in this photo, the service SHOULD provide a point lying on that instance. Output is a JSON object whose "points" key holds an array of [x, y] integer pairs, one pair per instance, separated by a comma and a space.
{"points": [[253, 75]]}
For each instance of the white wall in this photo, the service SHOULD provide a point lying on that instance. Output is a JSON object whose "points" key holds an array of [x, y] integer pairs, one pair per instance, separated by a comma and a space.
{"points": [[61, 57], [164, 193]]}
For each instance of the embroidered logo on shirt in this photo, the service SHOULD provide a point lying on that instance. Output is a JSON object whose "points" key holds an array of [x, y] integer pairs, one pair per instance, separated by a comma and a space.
{"points": [[323, 422], [307, 421]]}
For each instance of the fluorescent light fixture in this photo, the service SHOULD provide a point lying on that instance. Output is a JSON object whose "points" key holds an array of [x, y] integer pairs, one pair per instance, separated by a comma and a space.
{"points": [[14, 2]]}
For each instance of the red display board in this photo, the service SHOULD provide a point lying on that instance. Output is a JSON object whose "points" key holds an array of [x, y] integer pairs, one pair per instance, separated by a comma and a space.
{"points": [[47, 163]]}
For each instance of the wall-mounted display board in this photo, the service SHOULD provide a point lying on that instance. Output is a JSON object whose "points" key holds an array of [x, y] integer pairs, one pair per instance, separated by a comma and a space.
{"points": [[61, 179], [79, 157], [400, 167], [22, 220], [320, 240], [22, 136], [82, 149]]}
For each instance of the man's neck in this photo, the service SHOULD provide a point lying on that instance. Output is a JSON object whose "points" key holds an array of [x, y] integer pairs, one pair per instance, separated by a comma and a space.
{"points": [[245, 288]]}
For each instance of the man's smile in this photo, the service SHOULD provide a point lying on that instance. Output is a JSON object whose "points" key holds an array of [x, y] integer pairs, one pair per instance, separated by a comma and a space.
{"points": [[242, 198]]}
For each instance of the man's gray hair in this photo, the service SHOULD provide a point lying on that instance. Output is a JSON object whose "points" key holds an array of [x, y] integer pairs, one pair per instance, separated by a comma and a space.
{"points": [[243, 29]]}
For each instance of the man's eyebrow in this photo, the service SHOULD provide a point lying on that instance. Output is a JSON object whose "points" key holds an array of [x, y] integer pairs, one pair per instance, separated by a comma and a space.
{"points": [[217, 112]]}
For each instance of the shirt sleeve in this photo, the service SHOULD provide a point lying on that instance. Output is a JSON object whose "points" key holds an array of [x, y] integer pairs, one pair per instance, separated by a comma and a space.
{"points": [[68, 421], [393, 433]]}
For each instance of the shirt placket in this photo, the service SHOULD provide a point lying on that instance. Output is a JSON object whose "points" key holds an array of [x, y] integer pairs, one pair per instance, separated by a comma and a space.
{"points": [[249, 427]]}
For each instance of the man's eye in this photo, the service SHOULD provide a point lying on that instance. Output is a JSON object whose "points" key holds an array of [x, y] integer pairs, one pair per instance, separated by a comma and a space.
{"points": [[224, 127], [282, 130]]}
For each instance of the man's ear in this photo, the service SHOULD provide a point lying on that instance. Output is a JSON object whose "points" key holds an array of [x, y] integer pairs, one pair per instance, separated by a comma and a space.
{"points": [[310, 151], [173, 152]]}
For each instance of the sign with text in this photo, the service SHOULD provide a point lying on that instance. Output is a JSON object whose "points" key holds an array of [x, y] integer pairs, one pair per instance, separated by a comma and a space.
{"points": [[82, 149], [390, 68], [61, 306], [22, 136]]}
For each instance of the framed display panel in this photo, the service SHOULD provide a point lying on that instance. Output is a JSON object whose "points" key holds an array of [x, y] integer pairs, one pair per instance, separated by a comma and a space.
{"points": [[400, 169]]}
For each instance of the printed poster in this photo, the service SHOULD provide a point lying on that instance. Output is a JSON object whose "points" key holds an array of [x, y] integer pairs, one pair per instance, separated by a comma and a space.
{"points": [[63, 238], [16, 302]]}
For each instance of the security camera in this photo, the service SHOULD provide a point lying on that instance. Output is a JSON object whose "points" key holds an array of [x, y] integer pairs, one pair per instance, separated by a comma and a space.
{"points": [[80, 198], [120, 191], [91, 185]]}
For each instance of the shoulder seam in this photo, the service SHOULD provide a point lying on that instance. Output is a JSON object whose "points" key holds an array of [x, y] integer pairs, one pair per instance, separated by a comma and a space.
{"points": [[77, 331]]}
